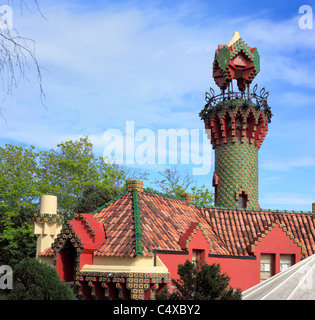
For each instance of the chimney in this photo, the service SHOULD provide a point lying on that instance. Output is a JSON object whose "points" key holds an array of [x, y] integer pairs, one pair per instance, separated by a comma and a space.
{"points": [[313, 207], [48, 204], [135, 185], [189, 197], [47, 224]]}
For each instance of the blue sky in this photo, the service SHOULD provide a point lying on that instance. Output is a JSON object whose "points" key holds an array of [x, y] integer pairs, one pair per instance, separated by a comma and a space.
{"points": [[108, 62]]}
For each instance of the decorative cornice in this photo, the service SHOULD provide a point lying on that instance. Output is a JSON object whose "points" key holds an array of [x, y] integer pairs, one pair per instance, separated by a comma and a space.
{"points": [[136, 283], [80, 216], [67, 232], [48, 217]]}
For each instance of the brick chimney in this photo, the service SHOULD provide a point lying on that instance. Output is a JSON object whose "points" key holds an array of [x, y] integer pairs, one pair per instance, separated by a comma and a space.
{"points": [[189, 197], [135, 185]]}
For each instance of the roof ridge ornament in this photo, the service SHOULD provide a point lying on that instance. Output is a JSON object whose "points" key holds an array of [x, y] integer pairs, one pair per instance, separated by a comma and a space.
{"points": [[236, 60], [235, 37]]}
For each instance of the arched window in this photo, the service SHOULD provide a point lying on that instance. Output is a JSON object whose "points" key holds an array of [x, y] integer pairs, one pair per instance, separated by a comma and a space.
{"points": [[238, 128], [67, 259], [229, 127]]}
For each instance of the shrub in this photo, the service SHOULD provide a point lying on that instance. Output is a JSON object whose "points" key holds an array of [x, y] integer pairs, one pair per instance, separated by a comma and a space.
{"points": [[201, 282], [33, 280]]}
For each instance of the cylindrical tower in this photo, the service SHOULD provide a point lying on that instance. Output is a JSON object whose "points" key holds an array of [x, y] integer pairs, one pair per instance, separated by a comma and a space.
{"points": [[237, 123]]}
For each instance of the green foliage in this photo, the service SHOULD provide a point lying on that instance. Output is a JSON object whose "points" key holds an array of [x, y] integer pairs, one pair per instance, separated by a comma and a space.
{"points": [[18, 196], [73, 171], [93, 198], [176, 183], [203, 196], [173, 182], [33, 280], [201, 282], [81, 181]]}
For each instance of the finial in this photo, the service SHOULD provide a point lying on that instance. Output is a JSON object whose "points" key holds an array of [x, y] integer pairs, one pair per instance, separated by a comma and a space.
{"points": [[235, 37], [236, 60]]}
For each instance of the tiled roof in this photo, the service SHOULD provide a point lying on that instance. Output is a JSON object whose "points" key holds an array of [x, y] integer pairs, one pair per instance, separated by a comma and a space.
{"points": [[47, 252], [165, 220], [238, 228], [118, 222]]}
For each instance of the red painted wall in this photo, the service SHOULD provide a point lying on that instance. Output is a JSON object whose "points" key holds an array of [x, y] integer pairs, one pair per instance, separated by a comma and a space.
{"points": [[243, 272]]}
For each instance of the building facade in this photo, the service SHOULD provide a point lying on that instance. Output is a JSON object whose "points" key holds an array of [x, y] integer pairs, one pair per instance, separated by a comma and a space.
{"points": [[130, 248]]}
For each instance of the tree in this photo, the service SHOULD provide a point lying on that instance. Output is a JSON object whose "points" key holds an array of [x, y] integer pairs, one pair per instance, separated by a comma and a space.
{"points": [[72, 170], [26, 174], [203, 196], [17, 53], [176, 183], [93, 198], [34, 280], [18, 197], [201, 282]]}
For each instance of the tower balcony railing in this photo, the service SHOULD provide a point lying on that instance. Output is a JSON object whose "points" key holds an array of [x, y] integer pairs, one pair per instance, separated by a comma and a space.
{"points": [[246, 99]]}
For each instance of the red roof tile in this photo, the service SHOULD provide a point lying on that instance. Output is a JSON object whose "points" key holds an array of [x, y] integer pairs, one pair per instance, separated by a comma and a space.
{"points": [[117, 219], [47, 252], [238, 228], [164, 220]]}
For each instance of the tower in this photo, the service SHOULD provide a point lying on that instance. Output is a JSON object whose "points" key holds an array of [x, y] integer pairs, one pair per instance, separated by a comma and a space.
{"points": [[237, 124]]}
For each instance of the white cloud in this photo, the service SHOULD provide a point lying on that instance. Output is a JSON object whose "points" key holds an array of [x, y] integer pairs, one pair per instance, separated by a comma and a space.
{"points": [[286, 198], [278, 164], [295, 99], [120, 63]]}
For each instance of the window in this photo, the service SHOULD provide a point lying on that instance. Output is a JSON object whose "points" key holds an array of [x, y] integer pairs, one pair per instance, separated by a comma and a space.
{"points": [[286, 261], [242, 200], [197, 255], [228, 127], [266, 266], [238, 128]]}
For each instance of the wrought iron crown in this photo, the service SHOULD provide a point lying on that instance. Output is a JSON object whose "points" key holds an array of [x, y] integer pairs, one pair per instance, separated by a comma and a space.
{"points": [[242, 98]]}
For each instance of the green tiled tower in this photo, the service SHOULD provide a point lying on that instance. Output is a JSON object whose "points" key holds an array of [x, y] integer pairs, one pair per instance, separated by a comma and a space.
{"points": [[236, 165], [237, 124]]}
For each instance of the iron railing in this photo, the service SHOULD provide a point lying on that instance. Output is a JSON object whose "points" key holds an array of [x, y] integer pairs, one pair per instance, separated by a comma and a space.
{"points": [[246, 98]]}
